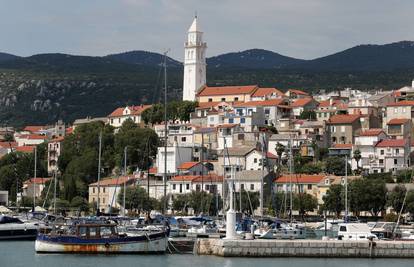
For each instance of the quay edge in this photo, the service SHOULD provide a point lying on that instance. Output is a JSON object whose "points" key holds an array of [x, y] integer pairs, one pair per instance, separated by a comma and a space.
{"points": [[305, 248]]}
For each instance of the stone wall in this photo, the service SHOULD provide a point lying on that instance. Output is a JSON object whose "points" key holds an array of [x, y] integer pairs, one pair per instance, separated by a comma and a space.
{"points": [[305, 248]]}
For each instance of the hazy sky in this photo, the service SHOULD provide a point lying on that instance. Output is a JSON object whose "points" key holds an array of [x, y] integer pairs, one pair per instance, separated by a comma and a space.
{"points": [[298, 28]]}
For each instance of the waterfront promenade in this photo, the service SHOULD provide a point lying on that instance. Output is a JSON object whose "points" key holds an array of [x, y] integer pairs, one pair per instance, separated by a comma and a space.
{"points": [[305, 248]]}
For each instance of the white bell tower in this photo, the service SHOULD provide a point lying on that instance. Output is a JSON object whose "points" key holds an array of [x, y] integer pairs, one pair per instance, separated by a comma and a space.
{"points": [[194, 62]]}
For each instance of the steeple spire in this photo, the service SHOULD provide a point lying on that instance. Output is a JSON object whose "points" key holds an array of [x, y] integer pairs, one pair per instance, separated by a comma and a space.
{"points": [[194, 26]]}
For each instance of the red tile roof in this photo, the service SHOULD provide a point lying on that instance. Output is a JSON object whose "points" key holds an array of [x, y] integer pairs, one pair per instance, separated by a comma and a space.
{"points": [[187, 165], [8, 144], [271, 155], [372, 132], [25, 149], [135, 110], [270, 102], [227, 90], [37, 180], [342, 146], [397, 121], [33, 128], [183, 178], [300, 178], [301, 102], [327, 103], [298, 92], [69, 130], [401, 103], [267, 91], [114, 181], [391, 143], [33, 136], [343, 119]]}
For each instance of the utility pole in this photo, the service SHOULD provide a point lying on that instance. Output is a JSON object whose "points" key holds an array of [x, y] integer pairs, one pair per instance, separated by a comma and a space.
{"points": [[99, 172], [261, 179]]}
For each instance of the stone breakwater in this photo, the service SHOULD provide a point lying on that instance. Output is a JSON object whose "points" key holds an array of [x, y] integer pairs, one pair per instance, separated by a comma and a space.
{"points": [[305, 248]]}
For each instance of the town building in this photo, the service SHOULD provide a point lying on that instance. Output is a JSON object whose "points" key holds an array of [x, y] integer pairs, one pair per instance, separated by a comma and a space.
{"points": [[343, 128], [34, 186], [109, 190], [54, 150], [119, 115]]}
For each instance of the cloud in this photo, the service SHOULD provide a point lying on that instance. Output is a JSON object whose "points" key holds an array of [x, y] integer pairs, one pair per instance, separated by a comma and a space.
{"points": [[299, 28]]}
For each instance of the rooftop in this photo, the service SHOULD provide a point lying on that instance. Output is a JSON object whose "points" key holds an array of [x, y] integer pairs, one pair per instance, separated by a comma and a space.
{"points": [[114, 181], [343, 119], [398, 121], [227, 90], [391, 143], [267, 91], [372, 132], [300, 178]]}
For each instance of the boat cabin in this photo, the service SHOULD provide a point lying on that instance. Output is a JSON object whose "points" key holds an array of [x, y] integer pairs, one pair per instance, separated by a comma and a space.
{"points": [[96, 230]]}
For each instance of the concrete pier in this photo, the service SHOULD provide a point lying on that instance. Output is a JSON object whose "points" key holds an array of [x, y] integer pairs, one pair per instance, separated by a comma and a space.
{"points": [[305, 248]]}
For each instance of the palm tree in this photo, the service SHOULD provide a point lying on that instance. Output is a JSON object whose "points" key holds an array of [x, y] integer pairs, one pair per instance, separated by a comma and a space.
{"points": [[280, 148], [357, 157]]}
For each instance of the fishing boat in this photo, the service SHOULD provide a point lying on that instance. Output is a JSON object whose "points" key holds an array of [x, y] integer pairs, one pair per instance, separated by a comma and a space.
{"points": [[99, 238], [12, 228]]}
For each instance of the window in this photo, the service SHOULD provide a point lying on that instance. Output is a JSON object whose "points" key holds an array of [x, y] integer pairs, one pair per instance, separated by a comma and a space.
{"points": [[242, 120], [326, 181], [251, 186], [241, 186], [223, 99], [210, 100], [309, 187], [342, 129], [381, 161], [231, 120], [119, 120], [333, 129], [255, 160], [397, 151], [187, 186], [103, 189], [183, 139], [403, 109], [173, 186], [112, 121], [103, 200], [382, 151], [236, 99], [395, 110], [395, 161], [93, 189], [211, 119], [267, 111]]}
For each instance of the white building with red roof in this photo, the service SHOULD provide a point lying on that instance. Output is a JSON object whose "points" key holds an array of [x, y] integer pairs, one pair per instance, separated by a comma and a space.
{"points": [[109, 189], [34, 186], [391, 155], [262, 94], [54, 150], [399, 110], [30, 139], [303, 104], [226, 93], [184, 184], [119, 115], [299, 183], [400, 128], [295, 93], [192, 168]]}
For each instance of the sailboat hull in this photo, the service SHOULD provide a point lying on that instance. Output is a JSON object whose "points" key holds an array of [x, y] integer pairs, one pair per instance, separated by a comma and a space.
{"points": [[151, 243]]}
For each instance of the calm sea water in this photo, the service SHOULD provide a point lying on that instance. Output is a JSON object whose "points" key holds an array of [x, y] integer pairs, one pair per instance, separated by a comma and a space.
{"points": [[22, 254]]}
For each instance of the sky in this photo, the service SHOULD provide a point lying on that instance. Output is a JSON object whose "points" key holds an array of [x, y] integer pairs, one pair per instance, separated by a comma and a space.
{"points": [[298, 28]]}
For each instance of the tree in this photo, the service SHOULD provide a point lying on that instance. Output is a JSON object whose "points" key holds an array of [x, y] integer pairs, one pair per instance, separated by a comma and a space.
{"points": [[404, 176], [395, 198], [410, 202], [334, 200], [154, 114], [181, 202], [249, 200], [304, 203], [308, 115], [309, 168], [136, 198], [367, 195], [357, 157], [336, 165], [280, 149], [184, 109]]}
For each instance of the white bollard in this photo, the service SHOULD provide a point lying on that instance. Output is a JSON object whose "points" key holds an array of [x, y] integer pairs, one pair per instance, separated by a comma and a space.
{"points": [[230, 224]]}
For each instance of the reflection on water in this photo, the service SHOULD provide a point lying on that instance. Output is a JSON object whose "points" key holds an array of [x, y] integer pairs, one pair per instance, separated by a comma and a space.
{"points": [[22, 254]]}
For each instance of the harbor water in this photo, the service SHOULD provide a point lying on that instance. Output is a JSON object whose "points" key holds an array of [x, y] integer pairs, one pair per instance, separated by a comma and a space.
{"points": [[22, 254]]}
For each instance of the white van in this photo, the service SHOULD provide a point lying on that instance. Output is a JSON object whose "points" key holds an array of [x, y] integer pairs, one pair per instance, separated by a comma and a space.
{"points": [[355, 231]]}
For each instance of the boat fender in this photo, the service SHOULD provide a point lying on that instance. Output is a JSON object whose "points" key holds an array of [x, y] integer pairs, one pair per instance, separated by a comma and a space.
{"points": [[107, 245]]}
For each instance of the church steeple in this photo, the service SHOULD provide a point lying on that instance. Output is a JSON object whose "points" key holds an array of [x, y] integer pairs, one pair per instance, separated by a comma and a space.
{"points": [[194, 62]]}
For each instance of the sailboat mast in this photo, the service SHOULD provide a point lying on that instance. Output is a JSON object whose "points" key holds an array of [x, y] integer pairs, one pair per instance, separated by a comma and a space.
{"points": [[261, 179], [125, 173], [99, 172], [346, 188], [290, 178], [164, 180], [54, 193], [34, 178]]}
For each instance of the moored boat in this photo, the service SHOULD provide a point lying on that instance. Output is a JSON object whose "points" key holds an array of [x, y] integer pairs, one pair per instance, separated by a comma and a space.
{"points": [[14, 229], [99, 238]]}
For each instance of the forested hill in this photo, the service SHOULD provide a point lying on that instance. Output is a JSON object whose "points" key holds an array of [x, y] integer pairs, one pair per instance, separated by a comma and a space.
{"points": [[43, 88]]}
